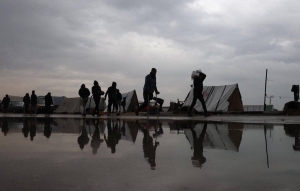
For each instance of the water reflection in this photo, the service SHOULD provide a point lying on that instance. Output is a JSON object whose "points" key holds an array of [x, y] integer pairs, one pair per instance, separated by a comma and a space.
{"points": [[83, 139], [113, 135], [32, 129], [47, 128], [96, 140], [200, 136], [150, 143], [293, 131], [231, 155], [198, 159]]}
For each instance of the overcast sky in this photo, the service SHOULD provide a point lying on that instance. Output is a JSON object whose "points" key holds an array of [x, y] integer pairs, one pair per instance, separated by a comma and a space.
{"points": [[55, 46]]}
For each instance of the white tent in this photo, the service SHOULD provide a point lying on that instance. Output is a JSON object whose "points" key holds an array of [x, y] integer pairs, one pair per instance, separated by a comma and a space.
{"points": [[218, 98], [74, 105]]}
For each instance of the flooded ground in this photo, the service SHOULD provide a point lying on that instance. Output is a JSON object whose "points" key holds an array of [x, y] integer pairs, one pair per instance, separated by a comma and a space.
{"points": [[111, 154]]}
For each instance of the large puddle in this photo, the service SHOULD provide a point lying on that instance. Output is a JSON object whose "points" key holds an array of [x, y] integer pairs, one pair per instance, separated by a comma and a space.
{"points": [[77, 154]]}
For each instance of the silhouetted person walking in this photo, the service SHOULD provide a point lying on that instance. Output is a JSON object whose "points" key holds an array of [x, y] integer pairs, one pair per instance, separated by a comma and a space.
{"points": [[33, 102], [84, 93], [48, 103], [119, 101], [96, 91], [5, 103], [112, 97], [83, 139], [198, 78], [148, 90], [26, 101], [198, 145]]}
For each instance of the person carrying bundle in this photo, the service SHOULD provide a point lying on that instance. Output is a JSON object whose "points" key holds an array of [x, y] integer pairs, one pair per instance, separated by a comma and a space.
{"points": [[198, 77]]}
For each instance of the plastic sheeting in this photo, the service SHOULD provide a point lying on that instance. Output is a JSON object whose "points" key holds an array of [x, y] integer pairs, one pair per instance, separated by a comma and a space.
{"points": [[215, 97]]}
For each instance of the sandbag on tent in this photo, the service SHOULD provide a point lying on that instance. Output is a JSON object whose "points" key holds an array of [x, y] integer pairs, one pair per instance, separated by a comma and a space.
{"points": [[218, 98]]}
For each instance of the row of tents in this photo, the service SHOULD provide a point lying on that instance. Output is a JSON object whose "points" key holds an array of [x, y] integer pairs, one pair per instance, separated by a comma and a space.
{"points": [[218, 98]]}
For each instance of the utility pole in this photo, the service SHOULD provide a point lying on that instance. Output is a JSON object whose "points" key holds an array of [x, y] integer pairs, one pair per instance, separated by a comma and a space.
{"points": [[265, 107]]}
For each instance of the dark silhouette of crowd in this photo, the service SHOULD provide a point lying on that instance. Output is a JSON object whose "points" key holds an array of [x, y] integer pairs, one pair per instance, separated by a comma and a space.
{"points": [[116, 102]]}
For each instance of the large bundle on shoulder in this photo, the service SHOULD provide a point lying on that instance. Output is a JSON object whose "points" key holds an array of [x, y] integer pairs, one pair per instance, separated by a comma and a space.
{"points": [[196, 74]]}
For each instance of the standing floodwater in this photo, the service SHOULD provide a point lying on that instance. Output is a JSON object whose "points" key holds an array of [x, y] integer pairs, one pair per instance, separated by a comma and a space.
{"points": [[93, 154]]}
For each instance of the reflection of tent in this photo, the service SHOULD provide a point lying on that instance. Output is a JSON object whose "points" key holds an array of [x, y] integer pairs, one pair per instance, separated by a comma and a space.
{"points": [[74, 105], [218, 98], [67, 125], [131, 101], [218, 136], [129, 132]]}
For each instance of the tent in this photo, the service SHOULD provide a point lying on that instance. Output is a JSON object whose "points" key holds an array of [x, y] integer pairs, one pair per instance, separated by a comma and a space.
{"points": [[74, 105], [218, 98], [131, 101]]}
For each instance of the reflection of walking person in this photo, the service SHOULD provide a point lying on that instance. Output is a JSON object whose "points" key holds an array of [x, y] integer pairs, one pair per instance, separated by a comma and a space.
{"points": [[198, 145], [83, 139], [96, 140], [32, 130], [198, 78], [149, 88], [47, 128], [149, 149], [113, 137], [84, 93], [25, 129]]}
